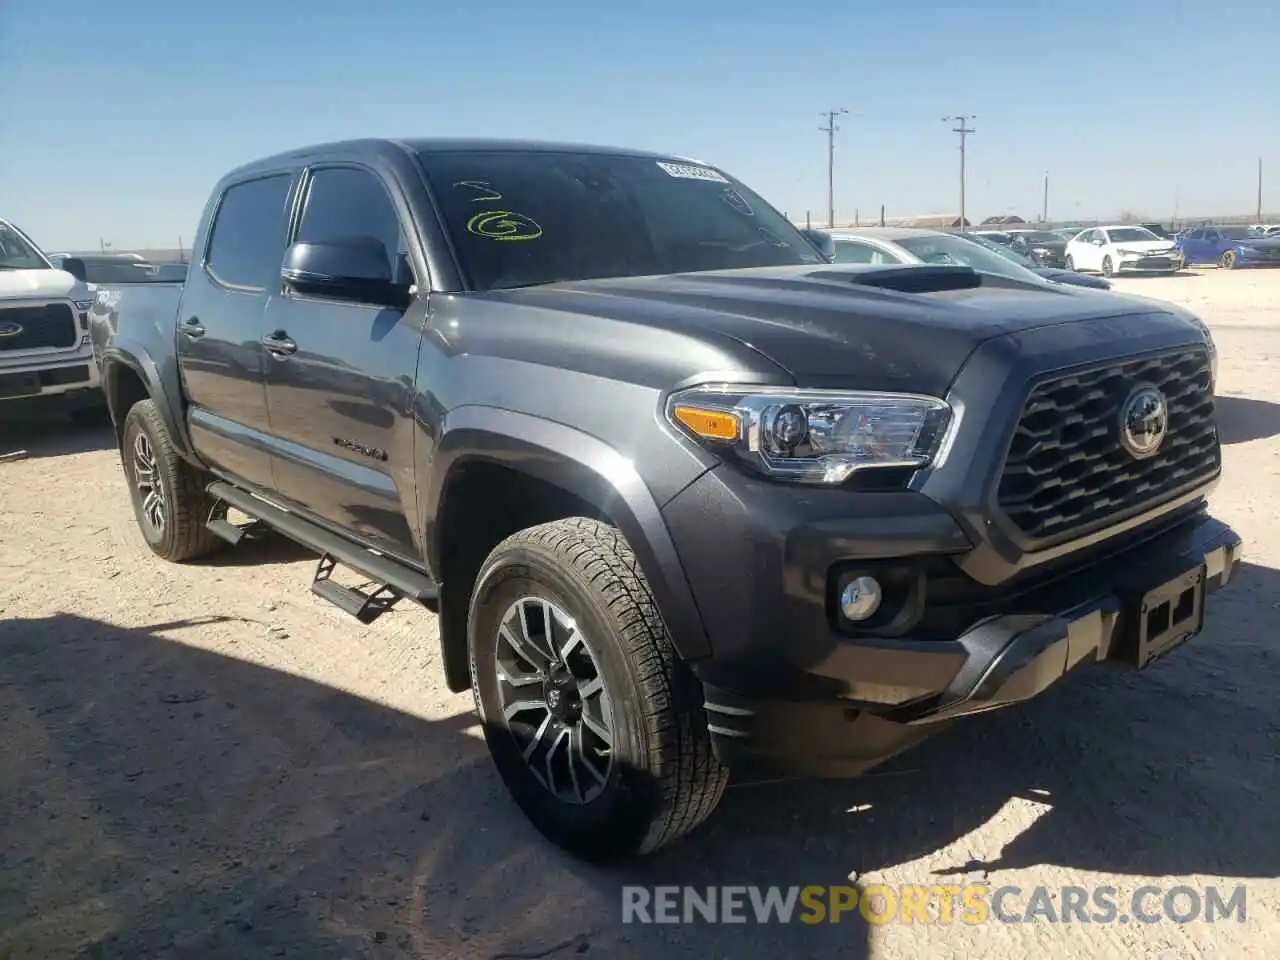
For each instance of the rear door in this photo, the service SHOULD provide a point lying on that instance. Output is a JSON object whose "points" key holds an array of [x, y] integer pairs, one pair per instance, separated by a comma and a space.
{"points": [[341, 402], [1193, 246], [220, 327]]}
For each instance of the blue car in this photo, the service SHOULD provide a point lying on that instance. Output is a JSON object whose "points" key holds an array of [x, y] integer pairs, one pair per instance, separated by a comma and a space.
{"points": [[1229, 247]]}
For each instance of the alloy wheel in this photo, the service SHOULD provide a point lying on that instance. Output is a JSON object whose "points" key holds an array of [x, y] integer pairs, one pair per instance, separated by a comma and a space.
{"points": [[146, 478], [554, 701]]}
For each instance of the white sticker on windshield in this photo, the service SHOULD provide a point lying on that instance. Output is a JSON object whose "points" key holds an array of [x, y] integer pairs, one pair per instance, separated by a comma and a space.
{"points": [[689, 171]]}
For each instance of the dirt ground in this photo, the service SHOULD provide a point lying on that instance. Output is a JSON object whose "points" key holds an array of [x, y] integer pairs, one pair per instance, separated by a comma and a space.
{"points": [[209, 761]]}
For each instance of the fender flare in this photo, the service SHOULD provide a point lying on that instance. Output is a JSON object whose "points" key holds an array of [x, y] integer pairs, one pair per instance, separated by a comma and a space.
{"points": [[126, 354], [589, 469]]}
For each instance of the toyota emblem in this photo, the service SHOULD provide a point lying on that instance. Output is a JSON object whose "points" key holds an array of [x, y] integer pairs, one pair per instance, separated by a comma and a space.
{"points": [[1144, 421]]}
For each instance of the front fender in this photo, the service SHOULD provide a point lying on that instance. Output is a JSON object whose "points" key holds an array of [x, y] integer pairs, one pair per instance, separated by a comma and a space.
{"points": [[589, 469]]}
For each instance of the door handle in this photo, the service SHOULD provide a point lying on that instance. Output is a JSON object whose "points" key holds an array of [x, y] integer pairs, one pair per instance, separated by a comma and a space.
{"points": [[279, 345], [193, 328]]}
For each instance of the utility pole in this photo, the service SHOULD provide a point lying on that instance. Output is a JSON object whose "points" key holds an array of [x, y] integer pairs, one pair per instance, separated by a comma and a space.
{"points": [[830, 130], [1044, 210], [964, 131], [1259, 189]]}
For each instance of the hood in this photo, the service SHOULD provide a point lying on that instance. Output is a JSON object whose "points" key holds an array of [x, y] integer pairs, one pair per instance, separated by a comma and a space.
{"points": [[825, 327], [1146, 246], [40, 285]]}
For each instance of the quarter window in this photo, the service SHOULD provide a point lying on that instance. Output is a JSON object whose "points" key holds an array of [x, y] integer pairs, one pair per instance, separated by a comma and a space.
{"points": [[247, 242]]}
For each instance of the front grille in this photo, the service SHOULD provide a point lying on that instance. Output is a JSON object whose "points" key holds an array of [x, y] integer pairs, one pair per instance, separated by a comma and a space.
{"points": [[44, 327], [1066, 468], [1155, 263]]}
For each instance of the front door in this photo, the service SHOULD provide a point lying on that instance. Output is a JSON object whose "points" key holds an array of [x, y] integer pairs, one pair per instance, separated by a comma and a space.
{"points": [[220, 327], [341, 402]]}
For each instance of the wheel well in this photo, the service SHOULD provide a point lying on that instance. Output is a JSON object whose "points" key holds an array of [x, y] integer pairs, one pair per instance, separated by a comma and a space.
{"points": [[482, 505], [124, 389]]}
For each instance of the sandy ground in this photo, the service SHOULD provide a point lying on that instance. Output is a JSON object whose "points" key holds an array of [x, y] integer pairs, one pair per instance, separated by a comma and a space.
{"points": [[209, 761]]}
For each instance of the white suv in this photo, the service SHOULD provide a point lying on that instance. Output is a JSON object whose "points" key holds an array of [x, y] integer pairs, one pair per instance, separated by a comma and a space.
{"points": [[44, 327]]}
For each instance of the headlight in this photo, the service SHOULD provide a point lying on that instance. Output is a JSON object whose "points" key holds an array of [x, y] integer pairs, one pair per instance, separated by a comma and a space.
{"points": [[812, 436]]}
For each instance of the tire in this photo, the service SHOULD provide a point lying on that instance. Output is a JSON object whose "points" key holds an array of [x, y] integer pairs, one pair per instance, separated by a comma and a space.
{"points": [[660, 779], [184, 506], [1108, 269], [1070, 264], [1228, 260]]}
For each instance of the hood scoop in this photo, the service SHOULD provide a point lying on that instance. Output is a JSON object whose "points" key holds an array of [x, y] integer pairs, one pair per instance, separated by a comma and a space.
{"points": [[910, 278]]}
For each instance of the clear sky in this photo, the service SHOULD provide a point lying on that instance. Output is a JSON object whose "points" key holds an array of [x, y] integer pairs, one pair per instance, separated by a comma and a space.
{"points": [[117, 117]]}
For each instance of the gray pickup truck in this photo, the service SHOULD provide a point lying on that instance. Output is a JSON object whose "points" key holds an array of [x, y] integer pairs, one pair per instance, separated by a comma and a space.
{"points": [[688, 498]]}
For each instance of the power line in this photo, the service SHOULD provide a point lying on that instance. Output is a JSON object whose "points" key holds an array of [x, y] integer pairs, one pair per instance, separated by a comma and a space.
{"points": [[964, 131], [830, 130]]}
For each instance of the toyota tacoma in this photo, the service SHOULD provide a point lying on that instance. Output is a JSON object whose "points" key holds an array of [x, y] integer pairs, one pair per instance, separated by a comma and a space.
{"points": [[689, 499]]}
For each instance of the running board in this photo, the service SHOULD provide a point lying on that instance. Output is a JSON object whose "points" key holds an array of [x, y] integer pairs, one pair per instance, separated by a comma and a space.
{"points": [[398, 581]]}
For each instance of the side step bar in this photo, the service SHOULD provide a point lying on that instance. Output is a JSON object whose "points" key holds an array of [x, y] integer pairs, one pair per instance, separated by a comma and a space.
{"points": [[397, 580]]}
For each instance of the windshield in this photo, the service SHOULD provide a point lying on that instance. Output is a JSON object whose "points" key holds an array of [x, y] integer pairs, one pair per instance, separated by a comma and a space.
{"points": [[519, 218], [1039, 236], [17, 252], [946, 248], [995, 236], [1131, 235]]}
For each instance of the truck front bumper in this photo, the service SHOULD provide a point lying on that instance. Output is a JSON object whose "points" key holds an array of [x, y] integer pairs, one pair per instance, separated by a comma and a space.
{"points": [[791, 694], [70, 376]]}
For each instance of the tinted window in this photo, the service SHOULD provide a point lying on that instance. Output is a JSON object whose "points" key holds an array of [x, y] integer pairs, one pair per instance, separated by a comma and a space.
{"points": [[246, 247], [520, 218], [1235, 233], [346, 203]]}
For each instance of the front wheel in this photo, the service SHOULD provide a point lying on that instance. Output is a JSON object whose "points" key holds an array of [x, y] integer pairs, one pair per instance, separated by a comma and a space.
{"points": [[1228, 261], [594, 723], [1108, 268], [1071, 264], [168, 495]]}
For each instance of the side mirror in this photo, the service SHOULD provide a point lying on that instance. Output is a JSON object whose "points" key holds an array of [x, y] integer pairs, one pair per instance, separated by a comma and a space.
{"points": [[75, 267], [349, 268], [822, 240]]}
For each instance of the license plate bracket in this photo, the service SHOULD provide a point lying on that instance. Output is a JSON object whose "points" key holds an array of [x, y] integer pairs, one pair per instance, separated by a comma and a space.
{"points": [[1170, 615], [14, 385]]}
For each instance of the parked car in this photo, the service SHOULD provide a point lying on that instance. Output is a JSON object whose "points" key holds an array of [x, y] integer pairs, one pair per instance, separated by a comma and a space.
{"points": [[45, 355], [1229, 247], [690, 499], [884, 245], [1043, 246], [1052, 274], [1122, 249]]}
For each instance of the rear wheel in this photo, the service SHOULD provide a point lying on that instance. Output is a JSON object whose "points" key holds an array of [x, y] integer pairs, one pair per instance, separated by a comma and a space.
{"points": [[168, 495], [594, 723]]}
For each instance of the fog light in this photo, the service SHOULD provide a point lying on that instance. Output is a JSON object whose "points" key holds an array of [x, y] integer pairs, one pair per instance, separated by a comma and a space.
{"points": [[860, 598]]}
